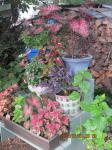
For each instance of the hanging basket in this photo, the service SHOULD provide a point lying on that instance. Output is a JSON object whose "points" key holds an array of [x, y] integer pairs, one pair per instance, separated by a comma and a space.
{"points": [[71, 108]]}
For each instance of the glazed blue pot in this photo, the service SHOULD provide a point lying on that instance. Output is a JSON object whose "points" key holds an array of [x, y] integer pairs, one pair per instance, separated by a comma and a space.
{"points": [[32, 53], [76, 65]]}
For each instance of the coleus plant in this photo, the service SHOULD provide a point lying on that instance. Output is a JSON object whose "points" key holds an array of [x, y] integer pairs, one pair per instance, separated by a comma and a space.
{"points": [[44, 117], [75, 34], [6, 99], [98, 124]]}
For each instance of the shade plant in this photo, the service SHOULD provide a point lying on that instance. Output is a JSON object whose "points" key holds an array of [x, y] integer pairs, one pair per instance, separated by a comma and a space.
{"points": [[98, 124], [42, 116], [75, 33]]}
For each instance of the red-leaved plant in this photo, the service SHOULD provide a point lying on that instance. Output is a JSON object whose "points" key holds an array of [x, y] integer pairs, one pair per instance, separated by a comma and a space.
{"points": [[75, 33], [44, 117], [6, 99]]}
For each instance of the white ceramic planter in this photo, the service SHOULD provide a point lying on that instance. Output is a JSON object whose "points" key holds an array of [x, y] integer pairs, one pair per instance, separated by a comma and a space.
{"points": [[71, 108], [39, 90]]}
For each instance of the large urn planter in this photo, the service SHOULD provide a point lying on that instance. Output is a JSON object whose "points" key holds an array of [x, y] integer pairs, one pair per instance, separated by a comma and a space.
{"points": [[43, 143], [71, 108], [76, 65]]}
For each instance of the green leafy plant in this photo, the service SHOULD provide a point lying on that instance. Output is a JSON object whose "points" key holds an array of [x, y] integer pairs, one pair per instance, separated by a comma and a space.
{"points": [[98, 124], [18, 109], [37, 41], [14, 73], [81, 83], [34, 72]]}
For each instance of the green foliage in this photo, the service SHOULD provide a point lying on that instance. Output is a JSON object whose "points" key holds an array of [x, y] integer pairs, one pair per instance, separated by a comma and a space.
{"points": [[18, 109], [81, 83], [14, 73], [37, 41], [101, 117], [81, 80], [74, 96], [34, 72]]}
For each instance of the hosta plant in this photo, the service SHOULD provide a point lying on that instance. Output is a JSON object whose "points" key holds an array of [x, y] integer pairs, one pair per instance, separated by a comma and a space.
{"points": [[99, 124]]}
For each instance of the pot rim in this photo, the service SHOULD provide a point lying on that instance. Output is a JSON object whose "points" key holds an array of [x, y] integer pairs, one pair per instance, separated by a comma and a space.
{"points": [[77, 59]]}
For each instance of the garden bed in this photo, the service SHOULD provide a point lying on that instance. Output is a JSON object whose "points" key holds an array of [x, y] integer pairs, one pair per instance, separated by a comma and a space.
{"points": [[35, 139]]}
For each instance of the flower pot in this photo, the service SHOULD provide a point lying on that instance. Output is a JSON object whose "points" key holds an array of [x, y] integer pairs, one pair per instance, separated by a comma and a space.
{"points": [[32, 53], [39, 90], [31, 138], [76, 65], [71, 108]]}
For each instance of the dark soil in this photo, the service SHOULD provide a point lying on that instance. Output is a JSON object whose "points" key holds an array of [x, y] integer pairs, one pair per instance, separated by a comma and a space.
{"points": [[15, 144]]}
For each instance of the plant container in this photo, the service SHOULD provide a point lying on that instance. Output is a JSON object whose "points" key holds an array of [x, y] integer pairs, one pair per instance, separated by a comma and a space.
{"points": [[71, 108], [39, 90], [33, 138], [32, 53], [76, 65]]}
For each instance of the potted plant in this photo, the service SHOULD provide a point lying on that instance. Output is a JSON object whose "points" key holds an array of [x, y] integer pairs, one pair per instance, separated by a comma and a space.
{"points": [[76, 37], [35, 37], [70, 97], [38, 71], [98, 126]]}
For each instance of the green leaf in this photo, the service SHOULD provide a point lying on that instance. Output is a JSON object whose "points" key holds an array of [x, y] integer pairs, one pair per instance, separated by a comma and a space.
{"points": [[87, 75], [77, 79], [74, 96], [84, 86]]}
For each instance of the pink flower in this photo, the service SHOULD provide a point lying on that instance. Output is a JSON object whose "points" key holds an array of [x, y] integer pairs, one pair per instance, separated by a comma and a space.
{"points": [[40, 29], [54, 27], [54, 114], [39, 22], [57, 126], [47, 116], [27, 124], [41, 111], [35, 102], [74, 25], [65, 120], [80, 26], [34, 120], [27, 110], [83, 28], [50, 8]]}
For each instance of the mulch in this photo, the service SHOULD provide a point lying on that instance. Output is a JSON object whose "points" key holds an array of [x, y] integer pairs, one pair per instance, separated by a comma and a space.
{"points": [[15, 144]]}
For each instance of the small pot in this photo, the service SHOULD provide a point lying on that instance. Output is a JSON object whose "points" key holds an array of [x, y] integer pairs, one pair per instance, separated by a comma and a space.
{"points": [[32, 53], [39, 90], [71, 108], [77, 64]]}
